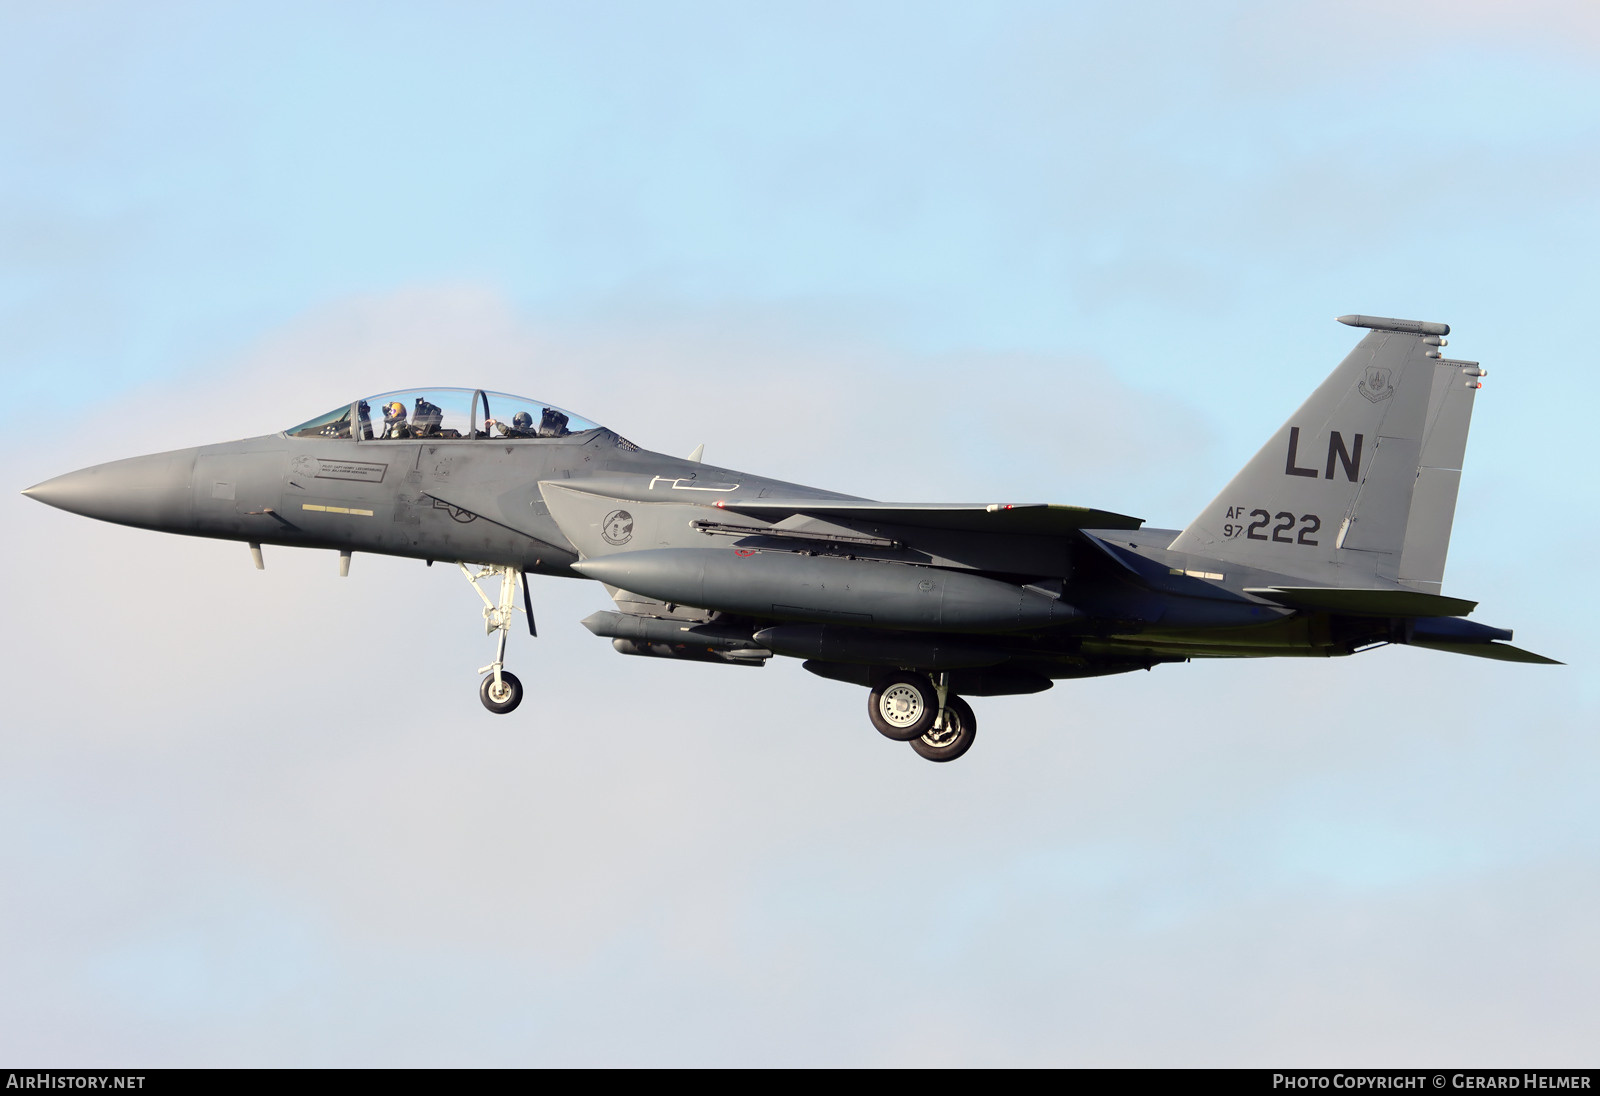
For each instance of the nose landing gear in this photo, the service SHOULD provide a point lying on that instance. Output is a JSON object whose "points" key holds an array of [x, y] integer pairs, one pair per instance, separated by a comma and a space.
{"points": [[500, 691]]}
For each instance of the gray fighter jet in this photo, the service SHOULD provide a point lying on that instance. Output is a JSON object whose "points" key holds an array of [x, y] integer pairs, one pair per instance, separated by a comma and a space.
{"points": [[1332, 540]]}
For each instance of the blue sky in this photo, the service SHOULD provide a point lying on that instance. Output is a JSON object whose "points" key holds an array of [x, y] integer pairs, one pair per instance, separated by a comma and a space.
{"points": [[1089, 255]]}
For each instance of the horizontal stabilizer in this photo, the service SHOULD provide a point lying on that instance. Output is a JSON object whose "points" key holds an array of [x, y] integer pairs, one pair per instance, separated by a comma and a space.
{"points": [[1502, 651], [1032, 518], [1351, 601]]}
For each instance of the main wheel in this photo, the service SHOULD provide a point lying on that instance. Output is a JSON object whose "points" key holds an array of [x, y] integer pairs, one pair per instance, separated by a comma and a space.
{"points": [[903, 706], [503, 699], [954, 738]]}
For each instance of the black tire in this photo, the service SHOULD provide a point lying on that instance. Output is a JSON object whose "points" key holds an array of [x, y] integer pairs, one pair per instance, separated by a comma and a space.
{"points": [[902, 706], [507, 703], [961, 727]]}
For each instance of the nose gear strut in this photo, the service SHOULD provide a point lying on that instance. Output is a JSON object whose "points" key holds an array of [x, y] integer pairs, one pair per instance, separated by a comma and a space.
{"points": [[501, 691]]}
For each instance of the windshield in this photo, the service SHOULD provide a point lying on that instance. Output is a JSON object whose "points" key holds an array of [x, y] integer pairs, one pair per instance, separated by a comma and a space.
{"points": [[445, 413], [335, 424]]}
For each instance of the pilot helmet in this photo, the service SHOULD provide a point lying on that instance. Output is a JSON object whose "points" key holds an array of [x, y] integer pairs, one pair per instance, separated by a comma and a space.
{"points": [[394, 412], [522, 420]]}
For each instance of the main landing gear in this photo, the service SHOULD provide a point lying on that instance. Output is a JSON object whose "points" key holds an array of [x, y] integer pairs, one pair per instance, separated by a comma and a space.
{"points": [[921, 710], [500, 691]]}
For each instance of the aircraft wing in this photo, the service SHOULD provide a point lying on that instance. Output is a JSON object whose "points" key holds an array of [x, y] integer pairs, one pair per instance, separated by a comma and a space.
{"points": [[1027, 518]]}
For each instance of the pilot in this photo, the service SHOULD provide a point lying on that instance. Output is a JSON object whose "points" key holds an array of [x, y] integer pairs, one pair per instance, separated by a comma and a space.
{"points": [[394, 421], [521, 426]]}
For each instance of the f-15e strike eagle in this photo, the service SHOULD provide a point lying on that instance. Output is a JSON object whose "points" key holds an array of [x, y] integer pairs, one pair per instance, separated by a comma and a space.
{"points": [[1332, 540]]}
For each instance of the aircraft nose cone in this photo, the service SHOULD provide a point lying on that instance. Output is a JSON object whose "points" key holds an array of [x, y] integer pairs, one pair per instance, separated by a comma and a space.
{"points": [[150, 492]]}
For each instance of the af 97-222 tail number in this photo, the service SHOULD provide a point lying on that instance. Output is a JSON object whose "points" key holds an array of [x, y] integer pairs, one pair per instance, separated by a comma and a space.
{"points": [[1279, 527]]}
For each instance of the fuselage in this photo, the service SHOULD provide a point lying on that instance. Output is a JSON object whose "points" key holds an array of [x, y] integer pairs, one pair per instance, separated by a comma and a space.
{"points": [[1128, 605]]}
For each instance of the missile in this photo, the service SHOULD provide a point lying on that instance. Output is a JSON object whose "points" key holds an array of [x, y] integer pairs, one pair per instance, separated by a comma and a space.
{"points": [[658, 638], [829, 590], [657, 630], [832, 643], [690, 654]]}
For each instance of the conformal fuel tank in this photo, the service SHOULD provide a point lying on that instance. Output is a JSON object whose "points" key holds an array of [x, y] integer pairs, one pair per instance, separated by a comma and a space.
{"points": [[828, 589]]}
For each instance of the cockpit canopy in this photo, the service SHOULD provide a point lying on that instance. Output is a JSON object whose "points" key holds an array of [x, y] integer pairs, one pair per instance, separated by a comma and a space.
{"points": [[444, 413]]}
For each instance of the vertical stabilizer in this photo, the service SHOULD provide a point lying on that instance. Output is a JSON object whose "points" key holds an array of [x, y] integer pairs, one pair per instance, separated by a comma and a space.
{"points": [[1444, 448], [1329, 496]]}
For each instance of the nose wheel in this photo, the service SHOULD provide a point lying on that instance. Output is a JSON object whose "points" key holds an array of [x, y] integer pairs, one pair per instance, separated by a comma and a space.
{"points": [[500, 691]]}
